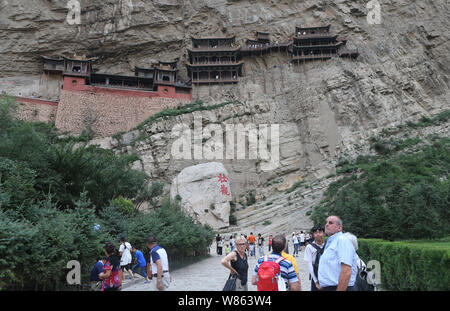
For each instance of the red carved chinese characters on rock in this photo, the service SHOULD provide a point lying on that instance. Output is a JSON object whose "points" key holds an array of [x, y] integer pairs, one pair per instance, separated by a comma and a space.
{"points": [[223, 188]]}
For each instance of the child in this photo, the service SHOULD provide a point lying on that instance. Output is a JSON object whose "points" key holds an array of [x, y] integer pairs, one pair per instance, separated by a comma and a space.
{"points": [[227, 249]]}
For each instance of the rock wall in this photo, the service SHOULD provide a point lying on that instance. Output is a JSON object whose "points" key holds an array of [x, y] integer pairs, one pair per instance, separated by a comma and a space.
{"points": [[326, 110], [33, 110], [204, 193]]}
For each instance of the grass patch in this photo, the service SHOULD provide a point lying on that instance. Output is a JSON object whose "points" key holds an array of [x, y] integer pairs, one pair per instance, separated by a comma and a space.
{"points": [[188, 108]]}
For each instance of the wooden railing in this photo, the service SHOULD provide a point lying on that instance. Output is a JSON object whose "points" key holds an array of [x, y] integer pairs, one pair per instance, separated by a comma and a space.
{"points": [[314, 56], [350, 52], [316, 35], [263, 47], [214, 63], [217, 48], [195, 81], [318, 45]]}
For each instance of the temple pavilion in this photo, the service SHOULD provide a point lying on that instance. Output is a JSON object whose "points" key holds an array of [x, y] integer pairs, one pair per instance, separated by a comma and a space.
{"points": [[213, 60], [312, 43]]}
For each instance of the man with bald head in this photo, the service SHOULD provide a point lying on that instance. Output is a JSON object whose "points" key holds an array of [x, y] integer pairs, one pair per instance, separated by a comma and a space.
{"points": [[337, 265]]}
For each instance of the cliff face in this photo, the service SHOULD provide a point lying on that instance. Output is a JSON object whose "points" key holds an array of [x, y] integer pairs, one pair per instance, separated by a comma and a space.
{"points": [[326, 109]]}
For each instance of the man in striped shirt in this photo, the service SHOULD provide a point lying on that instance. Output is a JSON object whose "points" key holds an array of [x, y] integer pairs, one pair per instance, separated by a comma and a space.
{"points": [[286, 268]]}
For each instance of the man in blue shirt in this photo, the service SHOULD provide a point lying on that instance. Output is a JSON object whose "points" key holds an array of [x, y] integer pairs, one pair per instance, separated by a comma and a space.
{"points": [[337, 265], [159, 265], [140, 263], [287, 270], [96, 283]]}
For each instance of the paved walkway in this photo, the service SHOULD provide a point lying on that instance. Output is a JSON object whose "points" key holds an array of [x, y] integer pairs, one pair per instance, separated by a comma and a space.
{"points": [[210, 275]]}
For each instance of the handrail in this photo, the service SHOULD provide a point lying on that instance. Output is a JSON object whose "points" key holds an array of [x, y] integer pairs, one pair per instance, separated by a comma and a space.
{"points": [[313, 56], [215, 63], [264, 46], [316, 35]]}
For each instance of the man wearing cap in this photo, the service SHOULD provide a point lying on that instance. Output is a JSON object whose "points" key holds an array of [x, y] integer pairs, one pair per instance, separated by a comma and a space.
{"points": [[337, 265], [159, 265], [311, 251]]}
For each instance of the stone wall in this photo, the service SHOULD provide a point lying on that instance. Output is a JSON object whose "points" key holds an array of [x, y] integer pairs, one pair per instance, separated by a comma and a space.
{"points": [[30, 109], [107, 114]]}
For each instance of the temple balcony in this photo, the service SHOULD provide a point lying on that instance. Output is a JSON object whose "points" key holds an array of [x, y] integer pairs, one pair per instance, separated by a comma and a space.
{"points": [[314, 36], [351, 53], [319, 46], [313, 56]]}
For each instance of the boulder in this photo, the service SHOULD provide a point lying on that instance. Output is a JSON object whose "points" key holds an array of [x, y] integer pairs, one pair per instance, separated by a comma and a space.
{"points": [[205, 193]]}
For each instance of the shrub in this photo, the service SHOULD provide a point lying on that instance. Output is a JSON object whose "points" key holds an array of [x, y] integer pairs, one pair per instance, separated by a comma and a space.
{"points": [[251, 199], [126, 206], [232, 220], [409, 265], [294, 186], [397, 197], [60, 203], [36, 250]]}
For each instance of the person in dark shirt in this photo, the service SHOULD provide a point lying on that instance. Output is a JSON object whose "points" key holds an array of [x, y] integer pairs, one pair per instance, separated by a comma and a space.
{"points": [[111, 269], [237, 263], [96, 283]]}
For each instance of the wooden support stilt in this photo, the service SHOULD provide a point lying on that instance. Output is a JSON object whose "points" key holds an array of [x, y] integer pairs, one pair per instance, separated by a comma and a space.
{"points": [[264, 77], [282, 77]]}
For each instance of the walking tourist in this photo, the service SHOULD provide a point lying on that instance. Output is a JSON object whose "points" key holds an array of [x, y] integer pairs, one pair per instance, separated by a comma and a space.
{"points": [[337, 265], [247, 249], [220, 247], [352, 238], [287, 270], [293, 261], [232, 243], [287, 246], [270, 242], [218, 238], [296, 244], [307, 239], [110, 275], [159, 265], [312, 255], [237, 263], [302, 240], [251, 241], [219, 243], [227, 249], [140, 263], [125, 259], [260, 245]]}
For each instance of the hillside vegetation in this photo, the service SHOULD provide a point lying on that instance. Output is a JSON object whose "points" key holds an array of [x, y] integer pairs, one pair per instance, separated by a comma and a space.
{"points": [[60, 202], [402, 192]]}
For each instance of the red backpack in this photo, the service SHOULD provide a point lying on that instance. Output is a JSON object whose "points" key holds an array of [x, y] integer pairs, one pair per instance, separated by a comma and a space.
{"points": [[269, 274]]}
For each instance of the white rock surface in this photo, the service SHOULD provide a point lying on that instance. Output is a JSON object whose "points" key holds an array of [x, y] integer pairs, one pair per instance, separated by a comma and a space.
{"points": [[205, 193]]}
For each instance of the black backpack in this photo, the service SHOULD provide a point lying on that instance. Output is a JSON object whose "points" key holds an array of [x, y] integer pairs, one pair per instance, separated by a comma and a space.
{"points": [[318, 254], [361, 283]]}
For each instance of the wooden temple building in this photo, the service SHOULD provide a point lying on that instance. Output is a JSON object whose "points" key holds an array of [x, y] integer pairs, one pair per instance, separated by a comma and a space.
{"points": [[214, 60], [210, 60], [80, 71], [317, 43], [263, 45]]}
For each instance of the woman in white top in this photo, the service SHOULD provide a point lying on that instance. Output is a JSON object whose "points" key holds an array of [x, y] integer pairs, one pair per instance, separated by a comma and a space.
{"points": [[125, 260]]}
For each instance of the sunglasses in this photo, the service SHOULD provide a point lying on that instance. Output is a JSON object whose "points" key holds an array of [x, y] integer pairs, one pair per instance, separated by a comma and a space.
{"points": [[330, 222], [240, 244]]}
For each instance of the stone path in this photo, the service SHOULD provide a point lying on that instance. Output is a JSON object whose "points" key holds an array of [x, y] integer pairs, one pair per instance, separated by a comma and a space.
{"points": [[210, 275]]}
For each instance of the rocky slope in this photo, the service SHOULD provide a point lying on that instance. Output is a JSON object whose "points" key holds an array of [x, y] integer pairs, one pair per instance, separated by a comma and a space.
{"points": [[326, 110]]}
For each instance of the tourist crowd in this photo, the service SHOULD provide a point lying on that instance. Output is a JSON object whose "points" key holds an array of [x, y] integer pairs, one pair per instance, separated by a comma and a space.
{"points": [[333, 264]]}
